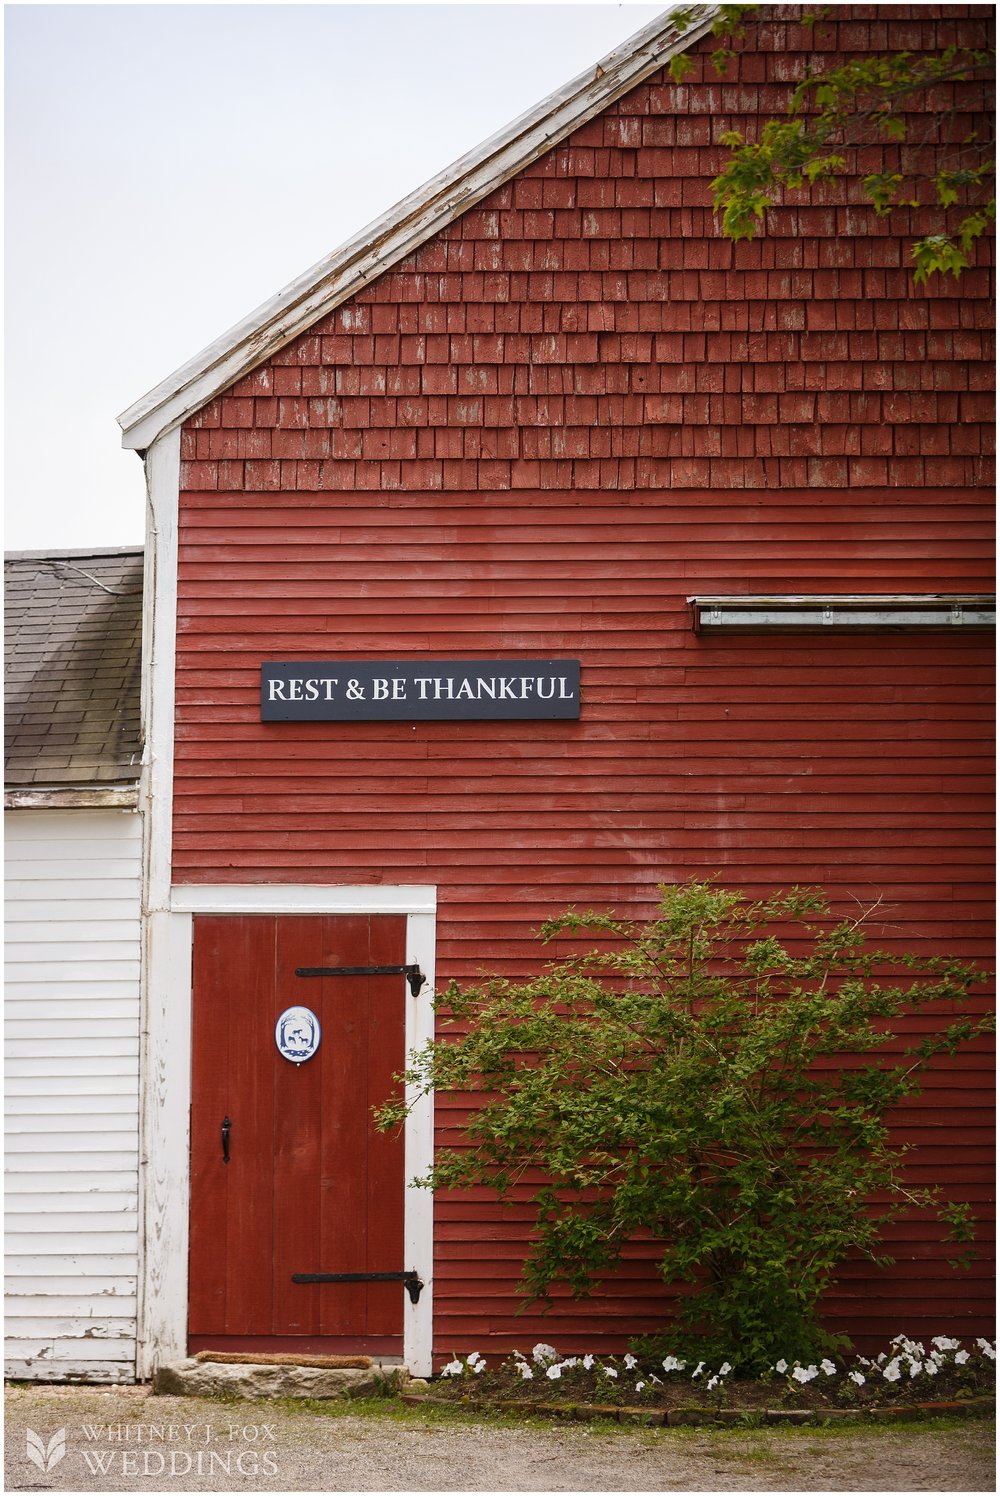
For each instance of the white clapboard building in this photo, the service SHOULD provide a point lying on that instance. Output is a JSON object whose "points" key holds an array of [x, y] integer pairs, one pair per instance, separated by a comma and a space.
{"points": [[73, 652]]}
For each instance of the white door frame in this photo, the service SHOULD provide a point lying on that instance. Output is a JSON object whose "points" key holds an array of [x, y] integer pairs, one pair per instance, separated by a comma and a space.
{"points": [[163, 1324]]}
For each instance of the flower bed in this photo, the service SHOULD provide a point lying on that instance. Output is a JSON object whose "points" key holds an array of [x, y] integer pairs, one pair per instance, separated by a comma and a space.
{"points": [[909, 1376]]}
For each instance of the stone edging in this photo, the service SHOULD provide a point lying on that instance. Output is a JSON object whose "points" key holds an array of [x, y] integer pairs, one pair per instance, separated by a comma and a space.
{"points": [[686, 1417]]}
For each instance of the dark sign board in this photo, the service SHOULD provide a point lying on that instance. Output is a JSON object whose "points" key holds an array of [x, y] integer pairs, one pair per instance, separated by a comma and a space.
{"points": [[417, 690]]}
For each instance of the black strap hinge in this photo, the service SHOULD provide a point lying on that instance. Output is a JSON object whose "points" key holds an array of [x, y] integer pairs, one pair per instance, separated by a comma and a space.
{"points": [[413, 974], [411, 1280]]}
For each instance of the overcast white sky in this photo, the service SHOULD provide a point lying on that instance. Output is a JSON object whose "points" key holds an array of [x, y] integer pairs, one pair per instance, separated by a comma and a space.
{"points": [[170, 167]]}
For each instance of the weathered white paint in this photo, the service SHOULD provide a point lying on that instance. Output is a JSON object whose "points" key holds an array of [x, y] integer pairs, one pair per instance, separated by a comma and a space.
{"points": [[418, 1217], [72, 1092], [380, 245], [865, 611], [304, 898], [165, 1140], [119, 797], [166, 1014]]}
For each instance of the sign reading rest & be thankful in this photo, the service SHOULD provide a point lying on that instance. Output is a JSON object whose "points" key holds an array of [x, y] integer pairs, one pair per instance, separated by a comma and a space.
{"points": [[417, 690]]}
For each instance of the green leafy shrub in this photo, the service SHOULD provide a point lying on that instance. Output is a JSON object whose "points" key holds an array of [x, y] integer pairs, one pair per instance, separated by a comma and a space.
{"points": [[716, 1077]]}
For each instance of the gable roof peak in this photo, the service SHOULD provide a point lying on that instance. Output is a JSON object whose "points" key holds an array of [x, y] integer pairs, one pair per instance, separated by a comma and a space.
{"points": [[408, 225]]}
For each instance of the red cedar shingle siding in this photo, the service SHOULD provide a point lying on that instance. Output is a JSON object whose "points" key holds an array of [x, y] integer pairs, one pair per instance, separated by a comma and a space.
{"points": [[429, 472], [586, 326]]}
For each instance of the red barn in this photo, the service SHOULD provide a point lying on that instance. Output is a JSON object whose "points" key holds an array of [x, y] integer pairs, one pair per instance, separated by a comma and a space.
{"points": [[543, 416]]}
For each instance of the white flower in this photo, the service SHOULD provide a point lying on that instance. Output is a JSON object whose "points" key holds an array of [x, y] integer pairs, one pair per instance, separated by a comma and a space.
{"points": [[910, 1347], [656, 1379], [915, 1367], [961, 1357], [856, 1376], [712, 1381], [828, 1367], [931, 1367], [639, 1386], [698, 1370], [542, 1354], [671, 1363], [527, 1375], [988, 1350], [587, 1362], [781, 1366], [630, 1361], [725, 1369], [804, 1373], [554, 1372], [477, 1362], [891, 1370], [609, 1371], [453, 1369]]}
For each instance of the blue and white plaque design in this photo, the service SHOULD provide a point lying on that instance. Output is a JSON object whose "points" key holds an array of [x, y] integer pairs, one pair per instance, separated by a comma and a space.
{"points": [[297, 1034]]}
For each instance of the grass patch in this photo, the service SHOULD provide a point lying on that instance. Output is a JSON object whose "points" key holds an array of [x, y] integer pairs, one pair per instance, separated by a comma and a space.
{"points": [[761, 1437]]}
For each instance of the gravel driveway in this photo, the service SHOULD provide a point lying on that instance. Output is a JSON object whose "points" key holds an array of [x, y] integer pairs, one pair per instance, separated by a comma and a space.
{"points": [[123, 1440]]}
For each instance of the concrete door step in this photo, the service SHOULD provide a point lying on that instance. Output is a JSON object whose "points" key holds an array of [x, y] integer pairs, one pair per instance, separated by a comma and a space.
{"points": [[278, 1377]]}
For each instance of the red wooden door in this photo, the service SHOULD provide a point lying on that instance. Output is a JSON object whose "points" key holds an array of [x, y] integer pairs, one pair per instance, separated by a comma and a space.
{"points": [[310, 1187]]}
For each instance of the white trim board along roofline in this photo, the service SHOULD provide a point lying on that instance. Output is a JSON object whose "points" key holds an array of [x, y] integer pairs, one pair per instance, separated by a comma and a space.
{"points": [[414, 220]]}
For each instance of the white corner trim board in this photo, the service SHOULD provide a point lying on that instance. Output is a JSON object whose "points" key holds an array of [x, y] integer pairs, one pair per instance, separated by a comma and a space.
{"points": [[404, 228], [165, 1024], [159, 649]]}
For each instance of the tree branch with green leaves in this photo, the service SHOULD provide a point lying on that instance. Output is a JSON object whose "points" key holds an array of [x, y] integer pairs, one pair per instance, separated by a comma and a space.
{"points": [[886, 102]]}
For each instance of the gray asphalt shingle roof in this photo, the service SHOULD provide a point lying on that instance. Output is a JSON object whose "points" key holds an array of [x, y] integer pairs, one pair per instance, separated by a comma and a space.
{"points": [[73, 647]]}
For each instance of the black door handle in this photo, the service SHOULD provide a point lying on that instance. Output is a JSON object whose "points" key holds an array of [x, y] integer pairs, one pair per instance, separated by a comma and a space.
{"points": [[226, 1125]]}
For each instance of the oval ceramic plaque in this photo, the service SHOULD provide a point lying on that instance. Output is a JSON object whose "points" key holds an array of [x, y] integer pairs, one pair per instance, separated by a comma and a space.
{"points": [[297, 1034]]}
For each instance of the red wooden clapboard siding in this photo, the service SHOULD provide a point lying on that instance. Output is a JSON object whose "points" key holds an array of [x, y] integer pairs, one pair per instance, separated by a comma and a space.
{"points": [[860, 763], [540, 434]]}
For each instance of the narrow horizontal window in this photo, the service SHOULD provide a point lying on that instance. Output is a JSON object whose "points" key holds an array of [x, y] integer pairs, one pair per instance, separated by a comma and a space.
{"points": [[873, 612]]}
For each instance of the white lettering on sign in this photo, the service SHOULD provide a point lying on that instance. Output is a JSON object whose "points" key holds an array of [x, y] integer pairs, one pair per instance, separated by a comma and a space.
{"points": [[449, 689], [292, 690], [430, 688], [502, 688]]}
